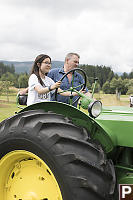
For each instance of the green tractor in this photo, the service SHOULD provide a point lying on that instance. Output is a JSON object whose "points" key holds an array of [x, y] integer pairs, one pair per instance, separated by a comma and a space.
{"points": [[54, 151]]}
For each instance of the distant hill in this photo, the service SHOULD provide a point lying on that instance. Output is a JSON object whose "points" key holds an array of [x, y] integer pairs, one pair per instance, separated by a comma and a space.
{"points": [[119, 73], [21, 67]]}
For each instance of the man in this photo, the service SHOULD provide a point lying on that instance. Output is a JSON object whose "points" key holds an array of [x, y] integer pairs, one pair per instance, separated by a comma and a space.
{"points": [[71, 62]]}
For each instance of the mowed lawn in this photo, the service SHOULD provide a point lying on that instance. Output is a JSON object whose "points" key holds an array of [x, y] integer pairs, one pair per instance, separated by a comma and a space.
{"points": [[8, 109]]}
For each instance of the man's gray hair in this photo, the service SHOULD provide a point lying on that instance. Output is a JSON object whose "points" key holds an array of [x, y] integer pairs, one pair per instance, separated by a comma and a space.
{"points": [[69, 55]]}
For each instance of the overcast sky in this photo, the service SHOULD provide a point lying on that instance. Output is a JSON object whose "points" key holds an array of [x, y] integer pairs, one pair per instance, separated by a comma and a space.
{"points": [[101, 31]]}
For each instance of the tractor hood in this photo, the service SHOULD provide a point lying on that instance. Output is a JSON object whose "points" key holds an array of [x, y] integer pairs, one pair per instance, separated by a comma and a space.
{"points": [[118, 124]]}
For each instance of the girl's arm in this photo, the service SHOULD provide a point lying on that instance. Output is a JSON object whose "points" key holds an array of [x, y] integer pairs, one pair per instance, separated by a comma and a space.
{"points": [[24, 91], [47, 89]]}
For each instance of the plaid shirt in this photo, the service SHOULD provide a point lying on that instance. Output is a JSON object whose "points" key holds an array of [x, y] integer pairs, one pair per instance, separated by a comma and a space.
{"points": [[56, 74]]}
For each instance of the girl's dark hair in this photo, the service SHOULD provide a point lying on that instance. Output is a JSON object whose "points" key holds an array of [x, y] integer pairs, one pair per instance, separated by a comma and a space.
{"points": [[35, 68]]}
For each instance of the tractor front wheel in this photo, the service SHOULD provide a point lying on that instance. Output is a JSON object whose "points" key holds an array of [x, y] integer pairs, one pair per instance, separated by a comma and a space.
{"points": [[44, 156]]}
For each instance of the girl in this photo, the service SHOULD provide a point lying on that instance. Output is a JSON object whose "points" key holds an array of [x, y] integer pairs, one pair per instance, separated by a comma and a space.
{"points": [[40, 85]]}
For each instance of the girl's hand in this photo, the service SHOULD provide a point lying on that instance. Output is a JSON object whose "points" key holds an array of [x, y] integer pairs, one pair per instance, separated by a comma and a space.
{"points": [[56, 85]]}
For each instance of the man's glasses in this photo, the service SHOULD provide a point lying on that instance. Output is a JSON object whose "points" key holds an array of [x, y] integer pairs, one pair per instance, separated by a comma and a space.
{"points": [[47, 63]]}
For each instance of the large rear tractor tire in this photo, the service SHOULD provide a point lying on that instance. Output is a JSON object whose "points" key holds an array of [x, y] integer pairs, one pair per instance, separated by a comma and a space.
{"points": [[44, 156]]}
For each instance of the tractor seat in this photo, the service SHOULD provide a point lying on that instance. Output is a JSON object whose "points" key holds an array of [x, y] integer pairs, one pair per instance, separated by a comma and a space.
{"points": [[22, 99]]}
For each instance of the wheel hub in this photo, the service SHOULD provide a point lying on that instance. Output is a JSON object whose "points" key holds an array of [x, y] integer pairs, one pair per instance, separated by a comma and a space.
{"points": [[28, 178]]}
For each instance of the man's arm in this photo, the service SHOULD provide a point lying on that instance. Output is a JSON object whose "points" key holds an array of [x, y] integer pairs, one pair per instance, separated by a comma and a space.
{"points": [[88, 94], [24, 91]]}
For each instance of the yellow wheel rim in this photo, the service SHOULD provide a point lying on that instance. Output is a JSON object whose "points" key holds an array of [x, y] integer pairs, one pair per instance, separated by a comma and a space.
{"points": [[24, 176]]}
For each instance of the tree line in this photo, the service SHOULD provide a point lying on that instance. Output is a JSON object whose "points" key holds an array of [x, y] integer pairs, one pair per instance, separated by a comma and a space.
{"points": [[108, 81]]}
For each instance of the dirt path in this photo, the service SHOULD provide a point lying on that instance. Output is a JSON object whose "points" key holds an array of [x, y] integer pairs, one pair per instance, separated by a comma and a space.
{"points": [[4, 106], [5, 101]]}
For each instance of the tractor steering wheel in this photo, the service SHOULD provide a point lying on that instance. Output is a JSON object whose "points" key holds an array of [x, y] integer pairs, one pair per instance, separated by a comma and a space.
{"points": [[83, 85]]}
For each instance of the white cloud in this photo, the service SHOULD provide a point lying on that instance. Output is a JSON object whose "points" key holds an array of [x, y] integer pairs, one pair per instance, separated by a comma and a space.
{"points": [[100, 31]]}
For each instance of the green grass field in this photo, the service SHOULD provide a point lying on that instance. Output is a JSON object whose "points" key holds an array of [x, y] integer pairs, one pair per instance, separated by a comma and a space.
{"points": [[111, 100], [8, 109]]}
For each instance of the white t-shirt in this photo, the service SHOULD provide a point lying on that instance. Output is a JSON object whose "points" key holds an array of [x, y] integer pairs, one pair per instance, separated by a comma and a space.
{"points": [[33, 96]]}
